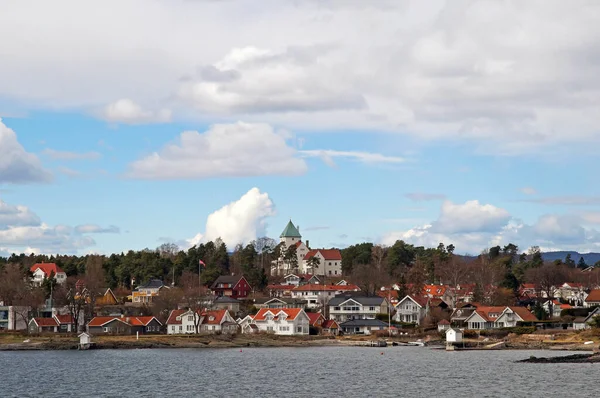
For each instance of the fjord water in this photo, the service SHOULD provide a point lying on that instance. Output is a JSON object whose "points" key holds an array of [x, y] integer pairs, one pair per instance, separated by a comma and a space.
{"points": [[291, 372]]}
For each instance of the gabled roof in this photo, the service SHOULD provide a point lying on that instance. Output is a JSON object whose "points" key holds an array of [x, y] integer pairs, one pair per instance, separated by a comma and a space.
{"points": [[523, 313], [47, 268], [444, 322], [44, 322], [434, 290], [225, 300], [290, 231], [489, 314], [330, 324], [594, 296], [213, 317], [328, 254], [291, 313], [130, 320], [419, 300], [229, 279], [173, 317], [313, 318]]}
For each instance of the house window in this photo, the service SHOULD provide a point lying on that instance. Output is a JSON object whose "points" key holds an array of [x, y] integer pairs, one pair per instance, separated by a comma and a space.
{"points": [[105, 330], [299, 329], [180, 328], [330, 263], [335, 272], [329, 272], [190, 318], [336, 308], [371, 308]]}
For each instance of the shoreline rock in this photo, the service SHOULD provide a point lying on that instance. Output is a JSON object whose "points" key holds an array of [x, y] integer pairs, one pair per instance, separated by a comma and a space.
{"points": [[576, 358]]}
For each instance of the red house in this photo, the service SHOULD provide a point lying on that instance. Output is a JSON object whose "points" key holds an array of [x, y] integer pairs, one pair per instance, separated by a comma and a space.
{"points": [[233, 286]]}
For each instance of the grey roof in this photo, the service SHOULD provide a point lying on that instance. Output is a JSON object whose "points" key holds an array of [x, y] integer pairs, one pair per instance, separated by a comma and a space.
{"points": [[363, 322], [363, 300], [225, 299], [233, 279], [151, 284]]}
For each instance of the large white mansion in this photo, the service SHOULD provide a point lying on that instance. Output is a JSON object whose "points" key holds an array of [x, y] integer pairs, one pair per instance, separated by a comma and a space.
{"points": [[330, 260]]}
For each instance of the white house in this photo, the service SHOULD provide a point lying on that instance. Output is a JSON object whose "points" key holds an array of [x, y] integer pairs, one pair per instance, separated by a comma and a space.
{"points": [[498, 317], [281, 321], [210, 321], [330, 262], [572, 292], [345, 307], [411, 309], [45, 270], [555, 307], [319, 295], [301, 279]]}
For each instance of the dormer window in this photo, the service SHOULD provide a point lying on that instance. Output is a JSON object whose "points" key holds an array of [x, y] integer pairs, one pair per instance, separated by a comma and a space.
{"points": [[211, 318], [269, 317]]}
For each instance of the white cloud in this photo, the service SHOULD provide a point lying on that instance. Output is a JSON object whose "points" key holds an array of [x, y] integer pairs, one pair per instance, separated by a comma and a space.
{"points": [[16, 165], [470, 217], [12, 216], [521, 75], [225, 150], [96, 229], [240, 221], [472, 227], [66, 155], [22, 230], [365, 157], [128, 112], [69, 172]]}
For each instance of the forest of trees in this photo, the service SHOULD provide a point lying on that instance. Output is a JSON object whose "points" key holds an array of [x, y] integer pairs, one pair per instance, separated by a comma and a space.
{"points": [[368, 265]]}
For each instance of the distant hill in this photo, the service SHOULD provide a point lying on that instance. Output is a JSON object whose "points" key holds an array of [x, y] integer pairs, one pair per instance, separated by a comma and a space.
{"points": [[590, 258]]}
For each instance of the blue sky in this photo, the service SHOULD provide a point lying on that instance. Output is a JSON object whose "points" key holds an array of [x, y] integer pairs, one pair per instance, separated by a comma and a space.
{"points": [[429, 133]]}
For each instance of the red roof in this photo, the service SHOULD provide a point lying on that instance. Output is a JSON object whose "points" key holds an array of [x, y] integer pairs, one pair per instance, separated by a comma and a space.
{"points": [[217, 316], [490, 314], [444, 322], [45, 322], [320, 288], [291, 313], [524, 313], [594, 296], [314, 318], [47, 268], [330, 324], [64, 319], [434, 290], [173, 317], [129, 320], [328, 254]]}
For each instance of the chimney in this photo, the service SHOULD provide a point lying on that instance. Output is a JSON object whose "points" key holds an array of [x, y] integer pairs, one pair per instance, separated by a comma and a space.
{"points": [[122, 316], [308, 244]]}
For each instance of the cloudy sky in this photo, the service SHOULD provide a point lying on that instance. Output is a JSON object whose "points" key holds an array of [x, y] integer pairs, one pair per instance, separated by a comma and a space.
{"points": [[129, 123]]}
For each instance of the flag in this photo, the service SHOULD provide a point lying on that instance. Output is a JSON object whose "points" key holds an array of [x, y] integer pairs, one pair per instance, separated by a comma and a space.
{"points": [[202, 263]]}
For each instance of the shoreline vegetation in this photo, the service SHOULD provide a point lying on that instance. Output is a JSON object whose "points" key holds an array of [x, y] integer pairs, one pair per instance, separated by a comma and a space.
{"points": [[24, 342]]}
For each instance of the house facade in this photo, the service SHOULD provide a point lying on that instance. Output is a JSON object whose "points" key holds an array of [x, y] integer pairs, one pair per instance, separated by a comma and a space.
{"points": [[209, 321], [147, 292], [43, 325], [45, 270], [233, 286], [330, 262], [124, 325], [345, 307], [411, 309], [319, 295], [10, 318], [283, 321]]}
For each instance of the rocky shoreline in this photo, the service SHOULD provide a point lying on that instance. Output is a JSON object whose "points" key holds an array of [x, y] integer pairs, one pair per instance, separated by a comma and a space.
{"points": [[576, 358]]}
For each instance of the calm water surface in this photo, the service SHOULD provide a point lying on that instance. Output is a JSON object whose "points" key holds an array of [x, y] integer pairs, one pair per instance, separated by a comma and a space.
{"points": [[292, 372]]}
